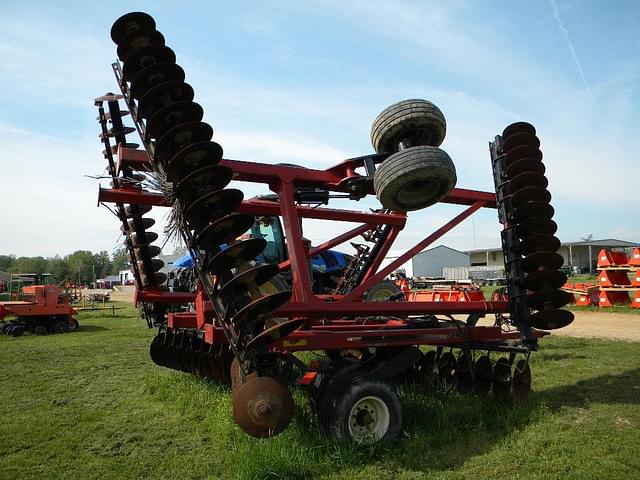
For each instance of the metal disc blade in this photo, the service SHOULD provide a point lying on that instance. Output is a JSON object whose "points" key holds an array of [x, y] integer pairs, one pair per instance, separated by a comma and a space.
{"points": [[551, 319], [523, 151], [532, 226], [193, 158], [520, 138], [525, 165], [151, 250], [130, 22], [213, 177], [544, 279], [518, 127], [225, 230], [262, 407], [538, 242], [180, 137], [254, 311], [542, 261], [154, 350], [156, 264], [163, 95], [463, 374], [158, 278], [530, 194], [521, 383], [502, 378], [533, 210], [273, 334], [172, 115], [482, 375], [247, 280], [548, 298], [236, 254], [446, 368], [131, 211], [145, 239], [136, 39], [145, 57], [528, 179], [147, 222], [212, 206], [155, 75]]}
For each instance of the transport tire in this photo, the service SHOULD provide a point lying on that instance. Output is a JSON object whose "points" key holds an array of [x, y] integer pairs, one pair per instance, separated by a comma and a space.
{"points": [[382, 291], [364, 411], [417, 122], [73, 324], [414, 178]]}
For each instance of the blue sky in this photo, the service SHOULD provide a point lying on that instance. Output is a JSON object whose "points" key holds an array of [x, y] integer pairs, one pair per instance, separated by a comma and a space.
{"points": [[301, 82]]}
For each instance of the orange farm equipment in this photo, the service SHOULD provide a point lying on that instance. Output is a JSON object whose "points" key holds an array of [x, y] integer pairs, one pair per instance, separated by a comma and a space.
{"points": [[43, 309], [257, 305]]}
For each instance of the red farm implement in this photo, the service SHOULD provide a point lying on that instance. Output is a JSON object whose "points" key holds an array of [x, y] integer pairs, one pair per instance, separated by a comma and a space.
{"points": [[43, 309], [258, 301]]}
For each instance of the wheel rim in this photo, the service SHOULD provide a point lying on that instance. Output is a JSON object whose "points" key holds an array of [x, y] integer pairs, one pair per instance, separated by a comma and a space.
{"points": [[368, 420]]}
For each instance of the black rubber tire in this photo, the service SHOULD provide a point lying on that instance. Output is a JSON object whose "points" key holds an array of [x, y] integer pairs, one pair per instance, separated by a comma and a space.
{"points": [[414, 178], [419, 121], [382, 291], [73, 324], [337, 411]]}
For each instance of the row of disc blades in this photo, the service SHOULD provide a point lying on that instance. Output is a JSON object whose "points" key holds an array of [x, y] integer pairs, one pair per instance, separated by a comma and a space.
{"points": [[531, 216], [470, 373], [184, 151]]}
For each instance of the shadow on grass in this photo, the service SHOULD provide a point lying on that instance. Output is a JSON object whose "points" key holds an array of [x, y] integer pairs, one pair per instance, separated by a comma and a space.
{"points": [[90, 328]]}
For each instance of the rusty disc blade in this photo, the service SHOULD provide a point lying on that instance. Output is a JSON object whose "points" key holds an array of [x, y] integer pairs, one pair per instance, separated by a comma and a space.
{"points": [[235, 255], [136, 39], [525, 165], [147, 222], [518, 127], [463, 374], [529, 210], [544, 279], [225, 230], [542, 261], [273, 334], [530, 194], [528, 179], [131, 211], [482, 375], [551, 319], [155, 75], [520, 138], [538, 242], [212, 177], [163, 95], [145, 57], [548, 299], [180, 137], [212, 206], [262, 407], [171, 116], [254, 311], [247, 280], [521, 383], [156, 264], [523, 151], [151, 250], [533, 226], [130, 22], [192, 158], [156, 279], [502, 378], [145, 239]]}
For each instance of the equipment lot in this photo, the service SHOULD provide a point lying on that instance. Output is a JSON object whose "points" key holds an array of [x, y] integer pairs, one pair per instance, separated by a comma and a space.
{"points": [[91, 405]]}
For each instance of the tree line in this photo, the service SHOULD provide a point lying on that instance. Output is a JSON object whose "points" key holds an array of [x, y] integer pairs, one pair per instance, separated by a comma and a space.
{"points": [[81, 265]]}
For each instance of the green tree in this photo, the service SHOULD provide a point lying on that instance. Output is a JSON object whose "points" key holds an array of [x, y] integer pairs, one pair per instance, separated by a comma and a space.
{"points": [[81, 266], [6, 262], [119, 260], [29, 265], [101, 264], [58, 268]]}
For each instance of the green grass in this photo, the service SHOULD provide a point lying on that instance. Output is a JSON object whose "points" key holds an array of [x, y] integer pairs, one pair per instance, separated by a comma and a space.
{"points": [[90, 404]]}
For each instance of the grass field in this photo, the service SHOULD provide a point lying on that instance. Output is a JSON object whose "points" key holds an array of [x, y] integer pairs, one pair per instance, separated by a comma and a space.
{"points": [[90, 404]]}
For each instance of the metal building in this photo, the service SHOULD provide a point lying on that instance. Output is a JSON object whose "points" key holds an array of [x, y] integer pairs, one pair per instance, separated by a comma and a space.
{"points": [[429, 263]]}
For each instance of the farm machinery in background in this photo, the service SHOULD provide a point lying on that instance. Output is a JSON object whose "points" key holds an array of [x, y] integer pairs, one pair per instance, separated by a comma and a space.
{"points": [[42, 309], [253, 310]]}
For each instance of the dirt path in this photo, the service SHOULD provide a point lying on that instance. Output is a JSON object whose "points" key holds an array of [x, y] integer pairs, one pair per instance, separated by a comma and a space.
{"points": [[616, 326]]}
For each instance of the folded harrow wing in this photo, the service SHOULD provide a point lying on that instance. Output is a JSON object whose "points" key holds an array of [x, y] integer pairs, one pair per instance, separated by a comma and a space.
{"points": [[250, 316]]}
